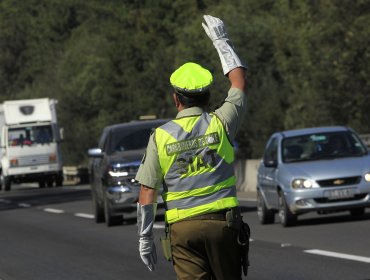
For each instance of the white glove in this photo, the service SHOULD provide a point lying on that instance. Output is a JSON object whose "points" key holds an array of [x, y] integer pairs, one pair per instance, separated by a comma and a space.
{"points": [[145, 221], [148, 252], [216, 31]]}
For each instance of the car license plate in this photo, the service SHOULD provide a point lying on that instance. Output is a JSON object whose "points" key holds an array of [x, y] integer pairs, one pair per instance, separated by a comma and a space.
{"points": [[339, 194]]}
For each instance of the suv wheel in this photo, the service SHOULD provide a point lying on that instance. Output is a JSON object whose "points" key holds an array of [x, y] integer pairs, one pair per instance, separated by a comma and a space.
{"points": [[110, 219], [265, 216], [59, 181], [287, 218], [98, 209]]}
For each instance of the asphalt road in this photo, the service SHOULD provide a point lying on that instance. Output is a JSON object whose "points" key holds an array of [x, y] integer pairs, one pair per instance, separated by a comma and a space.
{"points": [[50, 234]]}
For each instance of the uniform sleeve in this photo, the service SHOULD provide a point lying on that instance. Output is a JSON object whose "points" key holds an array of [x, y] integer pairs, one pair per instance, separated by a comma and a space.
{"points": [[233, 111], [149, 173]]}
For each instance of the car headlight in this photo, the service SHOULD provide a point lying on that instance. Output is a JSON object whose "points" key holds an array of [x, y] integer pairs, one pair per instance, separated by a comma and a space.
{"points": [[367, 177], [117, 173], [301, 184]]}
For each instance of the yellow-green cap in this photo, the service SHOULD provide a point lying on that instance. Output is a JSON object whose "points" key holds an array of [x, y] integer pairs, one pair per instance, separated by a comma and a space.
{"points": [[191, 79]]}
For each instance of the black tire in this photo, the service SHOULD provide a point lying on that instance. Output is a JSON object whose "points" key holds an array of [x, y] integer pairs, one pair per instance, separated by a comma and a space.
{"points": [[287, 218], [49, 183], [59, 181], [357, 212], [265, 216], [98, 210], [7, 183], [110, 219]]}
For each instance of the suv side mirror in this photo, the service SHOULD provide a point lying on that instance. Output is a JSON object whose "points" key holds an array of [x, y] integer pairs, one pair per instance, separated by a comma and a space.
{"points": [[270, 163], [95, 153]]}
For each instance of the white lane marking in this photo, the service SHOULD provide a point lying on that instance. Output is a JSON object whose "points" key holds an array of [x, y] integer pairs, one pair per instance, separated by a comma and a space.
{"points": [[52, 210], [158, 226], [338, 255], [24, 205], [6, 201], [86, 216]]}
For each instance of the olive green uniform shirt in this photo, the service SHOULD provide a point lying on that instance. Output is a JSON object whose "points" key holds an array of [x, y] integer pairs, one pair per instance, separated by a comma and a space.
{"points": [[231, 113]]}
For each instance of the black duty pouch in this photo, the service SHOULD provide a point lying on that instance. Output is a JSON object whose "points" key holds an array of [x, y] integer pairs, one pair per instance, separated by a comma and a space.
{"points": [[235, 220]]}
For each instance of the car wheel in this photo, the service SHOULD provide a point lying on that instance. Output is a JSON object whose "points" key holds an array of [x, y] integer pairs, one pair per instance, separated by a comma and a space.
{"points": [[7, 183], [110, 219], [357, 212], [287, 218], [265, 216], [98, 210]]}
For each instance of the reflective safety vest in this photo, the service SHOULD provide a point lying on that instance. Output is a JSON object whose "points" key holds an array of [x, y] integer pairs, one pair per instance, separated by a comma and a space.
{"points": [[196, 158]]}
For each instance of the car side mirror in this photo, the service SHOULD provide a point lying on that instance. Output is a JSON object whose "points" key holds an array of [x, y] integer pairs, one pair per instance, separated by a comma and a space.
{"points": [[95, 153], [270, 163]]}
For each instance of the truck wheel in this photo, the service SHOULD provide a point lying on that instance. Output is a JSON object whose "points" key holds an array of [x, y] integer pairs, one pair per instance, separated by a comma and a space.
{"points": [[111, 220], [59, 181], [49, 183], [265, 215], [7, 183], [287, 218], [98, 209]]}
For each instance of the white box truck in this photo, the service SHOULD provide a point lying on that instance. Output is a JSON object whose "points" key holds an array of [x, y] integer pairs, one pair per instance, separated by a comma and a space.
{"points": [[30, 143]]}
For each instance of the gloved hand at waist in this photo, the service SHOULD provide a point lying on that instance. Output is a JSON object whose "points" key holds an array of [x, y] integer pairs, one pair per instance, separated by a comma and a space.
{"points": [[145, 220]]}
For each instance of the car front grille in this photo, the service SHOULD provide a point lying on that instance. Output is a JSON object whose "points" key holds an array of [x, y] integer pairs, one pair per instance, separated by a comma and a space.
{"points": [[338, 182]]}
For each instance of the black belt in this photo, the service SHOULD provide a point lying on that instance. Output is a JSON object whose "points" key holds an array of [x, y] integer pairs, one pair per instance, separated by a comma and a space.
{"points": [[219, 216]]}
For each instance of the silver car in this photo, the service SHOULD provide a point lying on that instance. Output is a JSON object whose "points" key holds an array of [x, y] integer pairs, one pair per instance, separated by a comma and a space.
{"points": [[321, 169]]}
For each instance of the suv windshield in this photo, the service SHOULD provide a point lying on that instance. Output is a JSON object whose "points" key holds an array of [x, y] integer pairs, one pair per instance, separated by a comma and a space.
{"points": [[322, 146], [123, 140]]}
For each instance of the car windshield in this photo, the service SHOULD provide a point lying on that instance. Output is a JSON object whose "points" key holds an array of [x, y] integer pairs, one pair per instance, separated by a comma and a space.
{"points": [[322, 146], [30, 135], [123, 140]]}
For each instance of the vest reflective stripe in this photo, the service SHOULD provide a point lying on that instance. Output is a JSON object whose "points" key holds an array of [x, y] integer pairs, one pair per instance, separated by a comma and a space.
{"points": [[196, 160], [187, 183], [176, 214], [178, 132], [203, 196]]}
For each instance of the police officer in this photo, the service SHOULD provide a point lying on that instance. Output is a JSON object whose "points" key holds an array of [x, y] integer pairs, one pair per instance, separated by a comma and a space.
{"points": [[192, 157]]}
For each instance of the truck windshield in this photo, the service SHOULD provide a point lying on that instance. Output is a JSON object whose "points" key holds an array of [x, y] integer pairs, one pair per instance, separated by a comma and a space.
{"points": [[30, 135], [322, 146]]}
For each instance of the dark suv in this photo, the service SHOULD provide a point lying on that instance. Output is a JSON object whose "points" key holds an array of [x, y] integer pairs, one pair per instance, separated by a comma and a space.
{"points": [[113, 166]]}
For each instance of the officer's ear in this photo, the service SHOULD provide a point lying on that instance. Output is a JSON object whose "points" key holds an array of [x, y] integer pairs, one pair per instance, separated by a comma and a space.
{"points": [[176, 100]]}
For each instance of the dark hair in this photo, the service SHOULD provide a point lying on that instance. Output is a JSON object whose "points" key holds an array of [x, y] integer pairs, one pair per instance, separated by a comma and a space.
{"points": [[196, 101]]}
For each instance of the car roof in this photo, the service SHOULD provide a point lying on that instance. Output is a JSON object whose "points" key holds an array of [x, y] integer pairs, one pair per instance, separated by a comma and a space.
{"points": [[138, 123], [311, 130]]}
